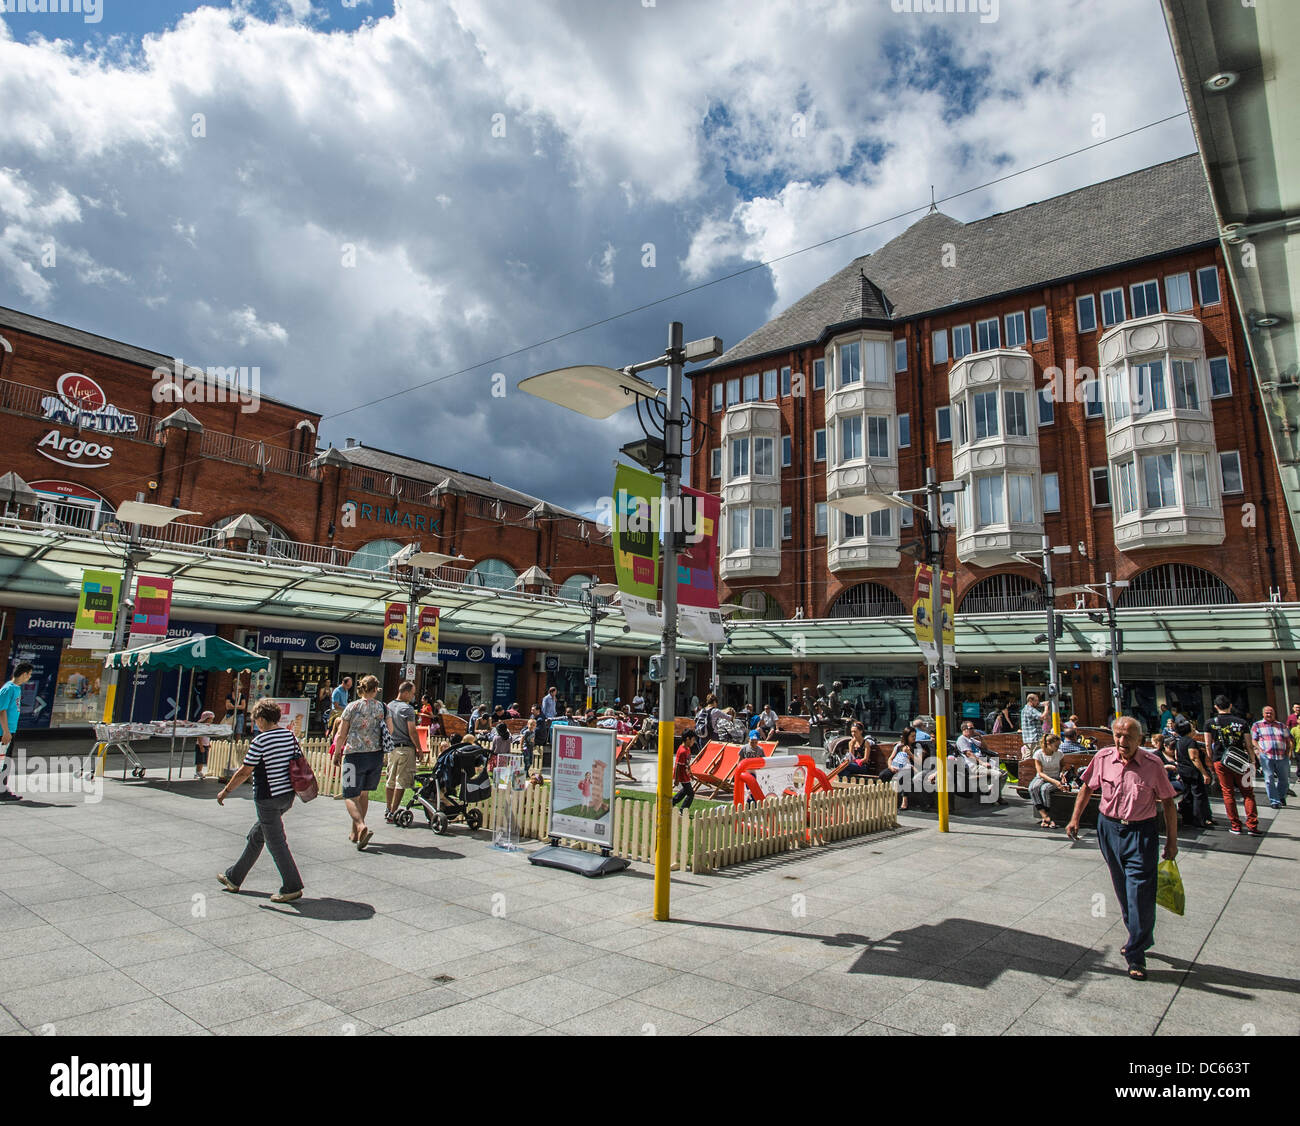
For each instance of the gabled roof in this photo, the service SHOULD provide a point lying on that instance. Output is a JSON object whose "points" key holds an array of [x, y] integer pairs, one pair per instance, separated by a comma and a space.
{"points": [[1154, 211], [382, 461]]}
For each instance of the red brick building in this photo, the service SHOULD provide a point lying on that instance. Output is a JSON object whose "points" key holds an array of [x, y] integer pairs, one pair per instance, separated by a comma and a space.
{"points": [[962, 348], [91, 422]]}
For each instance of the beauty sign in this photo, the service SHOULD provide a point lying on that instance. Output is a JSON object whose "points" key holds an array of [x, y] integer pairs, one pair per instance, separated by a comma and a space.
{"points": [[582, 783]]}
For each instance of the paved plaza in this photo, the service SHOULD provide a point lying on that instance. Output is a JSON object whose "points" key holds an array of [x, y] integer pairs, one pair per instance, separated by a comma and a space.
{"points": [[111, 921]]}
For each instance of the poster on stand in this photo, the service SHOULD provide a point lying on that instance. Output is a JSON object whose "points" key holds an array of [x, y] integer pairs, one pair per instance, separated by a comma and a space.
{"points": [[295, 714], [582, 784]]}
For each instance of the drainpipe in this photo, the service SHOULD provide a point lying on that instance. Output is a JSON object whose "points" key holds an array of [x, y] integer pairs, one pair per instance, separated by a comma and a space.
{"points": [[1261, 472]]}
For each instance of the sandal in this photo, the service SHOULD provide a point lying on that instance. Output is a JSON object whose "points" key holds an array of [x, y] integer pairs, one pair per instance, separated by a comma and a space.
{"points": [[1137, 973], [1050, 825], [364, 839]]}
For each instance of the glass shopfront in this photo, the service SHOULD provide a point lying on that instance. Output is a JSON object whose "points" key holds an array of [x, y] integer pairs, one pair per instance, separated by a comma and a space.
{"points": [[1151, 687], [883, 697], [980, 690]]}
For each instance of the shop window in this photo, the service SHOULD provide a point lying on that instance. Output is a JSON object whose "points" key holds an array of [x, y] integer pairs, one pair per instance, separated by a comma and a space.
{"points": [[375, 555], [494, 573]]}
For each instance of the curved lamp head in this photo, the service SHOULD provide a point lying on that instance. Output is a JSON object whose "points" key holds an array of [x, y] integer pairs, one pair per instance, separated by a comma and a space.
{"points": [[597, 392]]}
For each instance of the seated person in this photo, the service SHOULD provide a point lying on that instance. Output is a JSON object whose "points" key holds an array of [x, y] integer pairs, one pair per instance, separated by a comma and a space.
{"points": [[1160, 744], [903, 764], [608, 720], [971, 743], [858, 763], [1047, 778], [767, 720], [1070, 743]]}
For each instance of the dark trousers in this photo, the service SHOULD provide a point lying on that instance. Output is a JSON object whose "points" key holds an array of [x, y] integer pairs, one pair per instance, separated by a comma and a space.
{"points": [[685, 795], [1194, 809], [268, 830], [1132, 853]]}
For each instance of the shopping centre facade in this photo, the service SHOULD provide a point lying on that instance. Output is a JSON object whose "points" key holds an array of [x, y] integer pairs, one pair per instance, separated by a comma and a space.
{"points": [[995, 353]]}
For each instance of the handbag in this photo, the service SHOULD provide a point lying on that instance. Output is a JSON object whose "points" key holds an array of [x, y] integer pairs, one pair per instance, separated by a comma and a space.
{"points": [[303, 777], [386, 743], [1236, 761]]}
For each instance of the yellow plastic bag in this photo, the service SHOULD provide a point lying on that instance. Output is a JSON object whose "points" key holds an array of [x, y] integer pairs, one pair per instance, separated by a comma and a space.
{"points": [[1169, 887]]}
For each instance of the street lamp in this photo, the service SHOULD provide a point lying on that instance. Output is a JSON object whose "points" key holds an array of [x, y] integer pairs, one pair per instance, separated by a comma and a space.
{"points": [[1042, 559], [133, 513], [599, 392], [1106, 591], [594, 591], [936, 539]]}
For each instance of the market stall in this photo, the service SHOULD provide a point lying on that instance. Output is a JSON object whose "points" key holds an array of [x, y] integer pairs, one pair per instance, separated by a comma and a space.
{"points": [[182, 654]]}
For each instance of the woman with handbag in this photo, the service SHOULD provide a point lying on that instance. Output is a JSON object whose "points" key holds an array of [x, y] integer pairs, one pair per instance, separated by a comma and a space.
{"points": [[268, 762], [364, 739]]}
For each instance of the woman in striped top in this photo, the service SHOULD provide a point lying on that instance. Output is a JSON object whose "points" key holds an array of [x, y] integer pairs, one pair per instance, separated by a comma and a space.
{"points": [[267, 763]]}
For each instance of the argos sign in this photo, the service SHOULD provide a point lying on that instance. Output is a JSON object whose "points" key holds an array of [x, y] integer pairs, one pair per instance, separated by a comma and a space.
{"points": [[80, 402]]}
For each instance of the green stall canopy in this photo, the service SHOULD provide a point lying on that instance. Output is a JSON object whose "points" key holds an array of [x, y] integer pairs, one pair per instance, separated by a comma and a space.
{"points": [[199, 652]]}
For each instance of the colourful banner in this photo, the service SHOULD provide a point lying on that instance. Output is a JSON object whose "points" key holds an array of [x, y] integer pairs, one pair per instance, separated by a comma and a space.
{"points": [[697, 568], [635, 537], [394, 634], [946, 587], [96, 610], [426, 636], [152, 610], [923, 611]]}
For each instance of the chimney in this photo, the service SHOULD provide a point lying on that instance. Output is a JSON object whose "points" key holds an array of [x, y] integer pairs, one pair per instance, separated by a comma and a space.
{"points": [[351, 442]]}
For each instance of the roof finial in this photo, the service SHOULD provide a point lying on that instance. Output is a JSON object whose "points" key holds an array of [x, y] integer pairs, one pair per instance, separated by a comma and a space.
{"points": [[933, 206]]}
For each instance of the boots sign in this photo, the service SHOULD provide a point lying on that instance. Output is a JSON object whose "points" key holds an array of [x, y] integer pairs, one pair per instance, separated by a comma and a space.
{"points": [[80, 402]]}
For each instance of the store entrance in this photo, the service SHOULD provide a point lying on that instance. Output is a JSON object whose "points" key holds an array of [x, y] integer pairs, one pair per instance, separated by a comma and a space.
{"points": [[774, 692]]}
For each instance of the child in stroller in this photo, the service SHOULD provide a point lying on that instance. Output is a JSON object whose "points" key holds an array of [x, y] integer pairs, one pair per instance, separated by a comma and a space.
{"points": [[446, 792]]}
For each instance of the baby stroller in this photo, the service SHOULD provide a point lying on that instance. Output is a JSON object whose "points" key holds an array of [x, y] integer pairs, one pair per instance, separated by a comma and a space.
{"points": [[446, 792], [837, 750]]}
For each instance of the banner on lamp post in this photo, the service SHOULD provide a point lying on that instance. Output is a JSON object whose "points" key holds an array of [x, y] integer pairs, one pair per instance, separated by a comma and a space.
{"points": [[635, 538], [426, 636], [697, 569], [923, 611], [151, 611], [948, 616], [394, 652], [96, 610]]}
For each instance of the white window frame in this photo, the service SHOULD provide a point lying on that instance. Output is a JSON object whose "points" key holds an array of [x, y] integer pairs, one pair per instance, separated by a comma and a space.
{"points": [[1192, 461], [905, 517], [880, 524], [751, 382], [981, 336], [877, 429], [970, 341], [875, 363], [718, 391], [735, 522], [1047, 405], [1185, 279], [819, 374], [819, 439], [904, 431], [785, 381], [819, 518], [733, 392], [1235, 455], [1020, 489], [715, 463], [1015, 410], [1117, 290], [1055, 490], [1227, 367], [942, 421], [787, 450], [1034, 338], [787, 522], [768, 445], [1015, 319], [1126, 487], [841, 376], [1102, 473], [900, 355], [770, 384], [1094, 400], [739, 446], [764, 517], [852, 527], [1165, 502], [850, 447], [977, 399], [1145, 287], [1176, 385], [995, 494], [1080, 303], [1200, 287], [938, 335]]}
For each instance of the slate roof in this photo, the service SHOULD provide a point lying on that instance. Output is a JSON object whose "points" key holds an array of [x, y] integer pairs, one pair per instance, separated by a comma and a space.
{"points": [[383, 461], [1155, 211]]}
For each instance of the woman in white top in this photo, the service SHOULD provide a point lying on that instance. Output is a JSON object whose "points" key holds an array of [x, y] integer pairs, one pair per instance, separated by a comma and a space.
{"points": [[1047, 777]]}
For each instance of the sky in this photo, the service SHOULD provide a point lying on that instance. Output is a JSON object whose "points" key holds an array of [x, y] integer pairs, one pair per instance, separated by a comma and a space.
{"points": [[396, 200]]}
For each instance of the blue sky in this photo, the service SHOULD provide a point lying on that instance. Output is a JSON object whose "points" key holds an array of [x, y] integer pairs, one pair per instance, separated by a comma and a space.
{"points": [[497, 170]]}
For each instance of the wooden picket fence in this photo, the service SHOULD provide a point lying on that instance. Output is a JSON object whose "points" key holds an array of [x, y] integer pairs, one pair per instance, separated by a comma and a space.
{"points": [[228, 755]]}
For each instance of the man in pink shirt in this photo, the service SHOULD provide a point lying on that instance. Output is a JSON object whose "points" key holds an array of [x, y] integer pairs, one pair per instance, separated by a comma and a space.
{"points": [[1131, 782]]}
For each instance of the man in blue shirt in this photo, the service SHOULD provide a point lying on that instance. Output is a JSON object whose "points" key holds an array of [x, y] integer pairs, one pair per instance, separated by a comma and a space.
{"points": [[10, 696], [339, 697], [550, 705]]}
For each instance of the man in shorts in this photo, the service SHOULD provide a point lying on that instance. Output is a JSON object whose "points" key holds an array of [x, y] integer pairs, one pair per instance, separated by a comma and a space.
{"points": [[401, 763]]}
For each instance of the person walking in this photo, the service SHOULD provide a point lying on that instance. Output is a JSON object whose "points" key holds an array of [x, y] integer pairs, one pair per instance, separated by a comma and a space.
{"points": [[267, 762], [360, 736], [1194, 771], [551, 704], [1229, 734], [10, 698], [1273, 744], [401, 763], [682, 770], [1131, 782]]}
